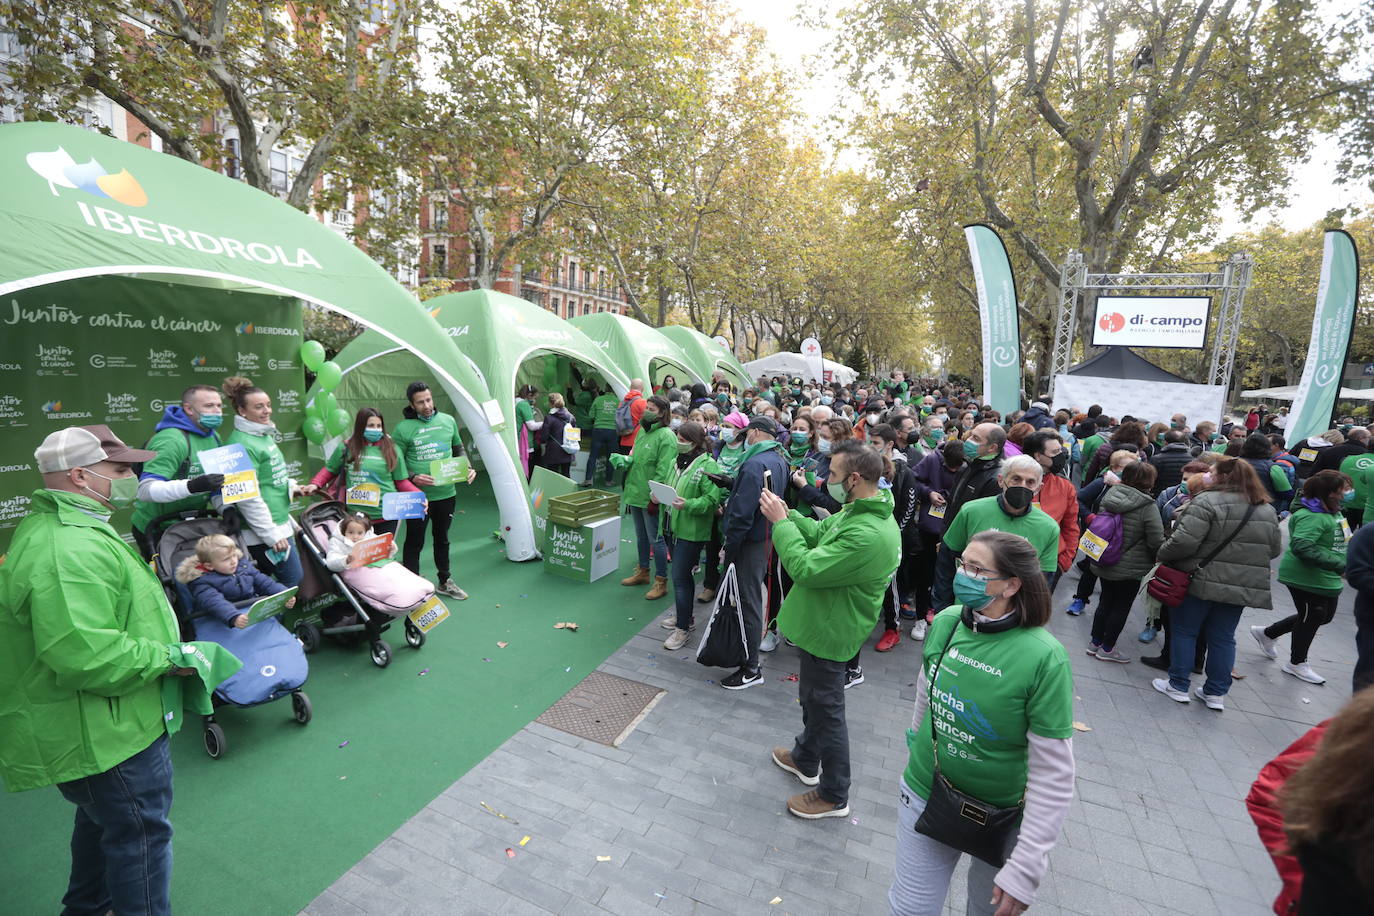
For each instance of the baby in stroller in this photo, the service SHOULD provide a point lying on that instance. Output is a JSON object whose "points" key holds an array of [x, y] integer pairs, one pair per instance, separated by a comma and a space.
{"points": [[384, 584], [352, 529], [219, 576]]}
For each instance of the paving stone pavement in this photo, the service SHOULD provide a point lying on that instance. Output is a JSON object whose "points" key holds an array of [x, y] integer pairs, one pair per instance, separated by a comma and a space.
{"points": [[690, 809]]}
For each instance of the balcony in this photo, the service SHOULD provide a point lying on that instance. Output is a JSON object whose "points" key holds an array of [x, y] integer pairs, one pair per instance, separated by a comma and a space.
{"points": [[558, 283]]}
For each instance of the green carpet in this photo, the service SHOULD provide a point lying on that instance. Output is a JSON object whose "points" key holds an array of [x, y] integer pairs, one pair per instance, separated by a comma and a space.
{"points": [[288, 810]]}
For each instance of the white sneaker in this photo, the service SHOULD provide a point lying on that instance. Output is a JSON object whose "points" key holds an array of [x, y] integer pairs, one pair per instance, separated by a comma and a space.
{"points": [[676, 640], [769, 642], [1162, 685], [1302, 672], [450, 588], [1267, 646], [1217, 703], [669, 622], [918, 630]]}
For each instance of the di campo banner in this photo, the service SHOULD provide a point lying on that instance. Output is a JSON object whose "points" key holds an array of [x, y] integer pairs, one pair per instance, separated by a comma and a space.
{"points": [[1001, 324], [1332, 326], [117, 350]]}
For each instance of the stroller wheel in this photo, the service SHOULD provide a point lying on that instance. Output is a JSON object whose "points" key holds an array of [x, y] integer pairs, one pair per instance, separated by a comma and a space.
{"points": [[381, 653], [300, 704], [215, 745], [309, 635], [415, 637]]}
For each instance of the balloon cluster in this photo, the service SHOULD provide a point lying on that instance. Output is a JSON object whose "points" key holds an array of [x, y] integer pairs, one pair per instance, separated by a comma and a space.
{"points": [[323, 415]]}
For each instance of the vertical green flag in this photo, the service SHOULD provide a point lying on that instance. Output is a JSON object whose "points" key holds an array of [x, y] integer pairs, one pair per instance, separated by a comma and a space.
{"points": [[1332, 326], [997, 311]]}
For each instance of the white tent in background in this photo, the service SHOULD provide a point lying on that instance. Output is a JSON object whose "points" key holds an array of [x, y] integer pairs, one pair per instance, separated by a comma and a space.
{"points": [[1290, 392], [793, 365]]}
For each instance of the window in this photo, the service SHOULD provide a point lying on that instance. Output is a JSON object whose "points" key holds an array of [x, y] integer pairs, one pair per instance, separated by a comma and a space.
{"points": [[572, 275], [586, 308], [557, 304], [438, 260], [277, 162], [438, 221]]}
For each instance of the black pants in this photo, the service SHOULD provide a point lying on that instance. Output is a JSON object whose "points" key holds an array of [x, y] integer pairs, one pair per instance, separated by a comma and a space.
{"points": [[384, 526], [711, 559], [778, 584], [1313, 611], [892, 596], [923, 572], [1087, 580], [564, 469], [1112, 610], [1364, 645], [1353, 517], [441, 514], [824, 740]]}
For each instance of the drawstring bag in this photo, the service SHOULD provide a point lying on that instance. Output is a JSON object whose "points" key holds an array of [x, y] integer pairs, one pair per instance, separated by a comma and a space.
{"points": [[723, 644]]}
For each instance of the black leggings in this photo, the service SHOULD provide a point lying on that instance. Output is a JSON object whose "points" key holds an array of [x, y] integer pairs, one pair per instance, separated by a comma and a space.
{"points": [[1087, 580], [441, 513], [1313, 611], [1112, 610], [923, 572]]}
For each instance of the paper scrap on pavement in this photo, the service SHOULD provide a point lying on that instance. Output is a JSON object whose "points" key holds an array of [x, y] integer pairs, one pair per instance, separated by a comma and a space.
{"points": [[775, 901], [524, 840], [603, 858], [1079, 726], [502, 645], [510, 853]]}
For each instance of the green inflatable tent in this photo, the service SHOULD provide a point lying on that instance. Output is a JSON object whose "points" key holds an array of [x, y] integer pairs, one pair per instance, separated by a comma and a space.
{"points": [[707, 354], [639, 349], [79, 204]]}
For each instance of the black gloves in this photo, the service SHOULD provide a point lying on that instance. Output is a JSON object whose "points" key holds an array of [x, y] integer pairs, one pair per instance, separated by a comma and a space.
{"points": [[205, 483]]}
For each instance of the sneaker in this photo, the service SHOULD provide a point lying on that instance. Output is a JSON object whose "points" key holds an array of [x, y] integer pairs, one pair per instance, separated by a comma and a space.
{"points": [[1076, 607], [452, 590], [1159, 662], [769, 642], [1217, 703], [1092, 647], [1162, 685], [811, 806], [1110, 655], [1149, 633], [670, 621], [888, 641], [906, 611], [676, 640], [584, 484], [918, 630], [742, 679], [707, 596], [789, 642], [853, 676], [1266, 645], [1302, 672], [783, 758]]}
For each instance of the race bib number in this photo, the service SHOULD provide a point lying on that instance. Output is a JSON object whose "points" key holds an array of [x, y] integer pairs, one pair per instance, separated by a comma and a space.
{"points": [[1307, 454], [938, 511], [1345, 531], [1092, 545], [429, 615], [239, 486], [364, 494]]}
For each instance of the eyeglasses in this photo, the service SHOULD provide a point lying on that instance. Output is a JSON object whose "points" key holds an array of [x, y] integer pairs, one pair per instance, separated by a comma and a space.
{"points": [[977, 572]]}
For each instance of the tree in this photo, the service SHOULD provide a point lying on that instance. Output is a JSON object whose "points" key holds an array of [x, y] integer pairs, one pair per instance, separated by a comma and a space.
{"points": [[327, 77]]}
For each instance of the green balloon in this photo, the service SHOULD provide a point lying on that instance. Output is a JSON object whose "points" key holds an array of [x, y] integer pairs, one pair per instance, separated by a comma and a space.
{"points": [[328, 376], [312, 355], [325, 404], [312, 409], [313, 429], [338, 421]]}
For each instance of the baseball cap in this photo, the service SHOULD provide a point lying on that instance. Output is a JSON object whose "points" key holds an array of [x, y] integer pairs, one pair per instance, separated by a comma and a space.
{"points": [[767, 424], [80, 446]]}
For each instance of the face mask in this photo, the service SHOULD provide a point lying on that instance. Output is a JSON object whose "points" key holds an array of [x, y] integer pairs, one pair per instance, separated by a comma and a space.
{"points": [[1018, 498], [936, 435], [823, 446], [971, 592], [675, 422], [1175, 425], [123, 490], [827, 400], [1348, 497], [872, 419], [970, 450], [211, 420], [837, 492], [799, 438], [1059, 463], [684, 447], [649, 420], [372, 435], [423, 418], [728, 433], [723, 398], [968, 424]]}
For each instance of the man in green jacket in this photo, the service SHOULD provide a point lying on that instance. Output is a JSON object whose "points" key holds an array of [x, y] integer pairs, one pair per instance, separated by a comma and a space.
{"points": [[85, 642], [840, 567]]}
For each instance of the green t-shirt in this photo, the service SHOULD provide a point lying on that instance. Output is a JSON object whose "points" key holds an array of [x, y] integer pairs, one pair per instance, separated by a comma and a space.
{"points": [[603, 411], [581, 409], [1090, 447], [421, 441], [524, 412], [986, 515], [274, 482], [171, 445], [990, 690], [371, 481]]}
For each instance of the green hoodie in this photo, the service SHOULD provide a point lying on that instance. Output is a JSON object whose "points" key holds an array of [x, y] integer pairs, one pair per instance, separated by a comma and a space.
{"points": [[840, 567], [653, 458], [84, 636], [1315, 557], [694, 520]]}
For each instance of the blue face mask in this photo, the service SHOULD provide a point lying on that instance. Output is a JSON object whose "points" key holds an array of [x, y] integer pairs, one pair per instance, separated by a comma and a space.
{"points": [[1348, 497], [827, 400], [425, 419], [728, 433], [800, 438], [372, 435], [211, 420], [971, 592], [823, 446], [970, 449]]}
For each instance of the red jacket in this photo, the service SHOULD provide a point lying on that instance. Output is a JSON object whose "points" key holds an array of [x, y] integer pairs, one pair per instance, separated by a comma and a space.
{"points": [[637, 405], [1059, 500], [1263, 805]]}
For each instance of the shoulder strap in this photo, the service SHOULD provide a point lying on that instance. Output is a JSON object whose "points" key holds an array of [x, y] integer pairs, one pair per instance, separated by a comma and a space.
{"points": [[934, 742], [1249, 511]]}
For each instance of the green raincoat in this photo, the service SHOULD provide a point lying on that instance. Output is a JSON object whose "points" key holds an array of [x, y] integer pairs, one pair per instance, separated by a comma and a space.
{"points": [[654, 458], [694, 520]]}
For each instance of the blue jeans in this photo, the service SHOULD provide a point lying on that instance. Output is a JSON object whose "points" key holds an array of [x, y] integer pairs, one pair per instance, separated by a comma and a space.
{"points": [[604, 445], [646, 534], [1215, 623], [685, 556], [122, 841], [288, 572]]}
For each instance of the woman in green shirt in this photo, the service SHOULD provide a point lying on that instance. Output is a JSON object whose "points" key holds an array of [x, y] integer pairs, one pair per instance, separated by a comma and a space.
{"points": [[372, 468], [690, 522], [652, 458]]}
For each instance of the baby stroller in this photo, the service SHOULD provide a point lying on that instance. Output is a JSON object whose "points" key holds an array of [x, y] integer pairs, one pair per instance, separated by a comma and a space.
{"points": [[370, 602], [274, 663]]}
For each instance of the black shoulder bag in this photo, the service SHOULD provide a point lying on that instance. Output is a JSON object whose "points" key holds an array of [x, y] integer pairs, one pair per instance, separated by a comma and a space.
{"points": [[961, 821]]}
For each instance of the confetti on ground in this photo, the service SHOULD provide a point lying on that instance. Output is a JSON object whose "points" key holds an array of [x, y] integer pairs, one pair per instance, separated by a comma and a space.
{"points": [[660, 896], [1081, 727], [1076, 698], [791, 677], [424, 672], [775, 901], [603, 858], [343, 777], [490, 810], [1307, 699], [525, 839], [510, 853], [345, 743], [709, 681], [486, 659], [524, 596], [569, 668], [854, 821], [498, 605], [569, 625], [502, 645]]}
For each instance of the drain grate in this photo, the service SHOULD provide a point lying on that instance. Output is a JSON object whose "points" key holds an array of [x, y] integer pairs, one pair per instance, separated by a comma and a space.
{"points": [[603, 708]]}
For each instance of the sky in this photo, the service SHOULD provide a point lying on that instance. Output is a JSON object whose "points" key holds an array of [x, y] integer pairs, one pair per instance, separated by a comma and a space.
{"points": [[801, 48]]}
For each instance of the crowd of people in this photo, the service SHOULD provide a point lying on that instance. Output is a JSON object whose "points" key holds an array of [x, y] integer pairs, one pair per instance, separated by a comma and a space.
{"points": [[828, 510]]}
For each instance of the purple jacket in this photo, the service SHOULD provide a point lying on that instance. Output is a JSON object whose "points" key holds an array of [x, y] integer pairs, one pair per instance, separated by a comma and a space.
{"points": [[932, 476]]}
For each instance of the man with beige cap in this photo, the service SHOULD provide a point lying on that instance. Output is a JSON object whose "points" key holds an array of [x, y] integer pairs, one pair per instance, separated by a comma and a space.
{"points": [[85, 640]]}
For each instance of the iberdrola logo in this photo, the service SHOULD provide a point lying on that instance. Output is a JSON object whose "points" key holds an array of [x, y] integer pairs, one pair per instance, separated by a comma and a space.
{"points": [[536, 498], [60, 170], [197, 361], [52, 407], [245, 328]]}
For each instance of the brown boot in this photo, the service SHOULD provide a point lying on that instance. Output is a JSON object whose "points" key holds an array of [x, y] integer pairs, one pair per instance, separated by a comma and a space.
{"points": [[707, 596], [659, 590], [640, 577]]}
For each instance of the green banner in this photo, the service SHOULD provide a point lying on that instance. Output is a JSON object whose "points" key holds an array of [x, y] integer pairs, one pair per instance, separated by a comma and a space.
{"points": [[544, 485], [117, 350], [1000, 321], [1332, 326]]}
